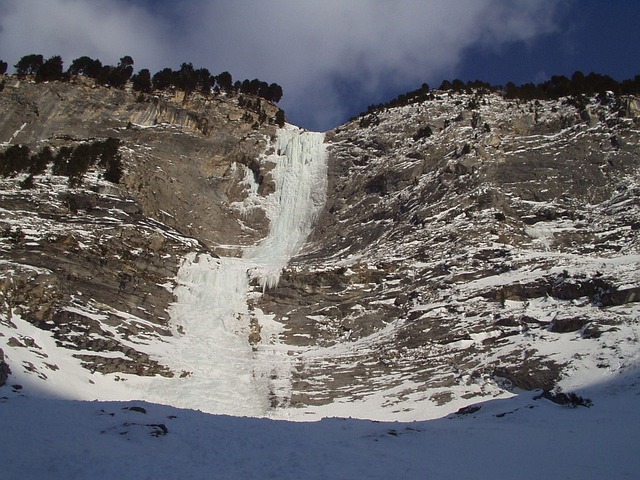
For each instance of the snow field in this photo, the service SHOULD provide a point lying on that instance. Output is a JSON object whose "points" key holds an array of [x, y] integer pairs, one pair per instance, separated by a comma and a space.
{"points": [[523, 437]]}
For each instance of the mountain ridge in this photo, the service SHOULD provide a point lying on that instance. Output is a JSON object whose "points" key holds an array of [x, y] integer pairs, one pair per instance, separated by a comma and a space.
{"points": [[464, 240]]}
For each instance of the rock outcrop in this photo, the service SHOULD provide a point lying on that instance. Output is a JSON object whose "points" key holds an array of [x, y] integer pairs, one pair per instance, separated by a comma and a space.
{"points": [[469, 244], [95, 263]]}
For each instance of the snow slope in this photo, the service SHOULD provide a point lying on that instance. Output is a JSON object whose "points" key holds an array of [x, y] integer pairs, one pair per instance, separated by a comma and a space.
{"points": [[523, 437]]}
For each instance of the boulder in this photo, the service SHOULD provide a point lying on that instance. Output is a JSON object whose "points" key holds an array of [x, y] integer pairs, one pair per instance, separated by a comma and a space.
{"points": [[5, 371], [565, 325], [630, 106]]}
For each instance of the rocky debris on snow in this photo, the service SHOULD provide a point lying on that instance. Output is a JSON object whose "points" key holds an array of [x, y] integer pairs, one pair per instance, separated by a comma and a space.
{"points": [[570, 399], [129, 428]]}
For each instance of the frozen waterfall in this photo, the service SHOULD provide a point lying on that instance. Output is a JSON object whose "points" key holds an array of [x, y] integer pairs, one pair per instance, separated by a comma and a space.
{"points": [[300, 177], [221, 372]]}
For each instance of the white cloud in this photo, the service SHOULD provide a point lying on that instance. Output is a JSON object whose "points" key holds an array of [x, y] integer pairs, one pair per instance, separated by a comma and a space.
{"points": [[104, 29], [306, 46], [377, 44]]}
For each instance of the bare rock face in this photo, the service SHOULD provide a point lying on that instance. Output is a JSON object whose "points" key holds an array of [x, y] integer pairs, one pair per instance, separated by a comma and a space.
{"points": [[631, 107], [498, 251], [455, 265], [95, 263], [180, 155]]}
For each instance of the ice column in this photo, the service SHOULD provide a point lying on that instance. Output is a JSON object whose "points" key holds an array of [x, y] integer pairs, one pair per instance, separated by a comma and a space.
{"points": [[300, 176]]}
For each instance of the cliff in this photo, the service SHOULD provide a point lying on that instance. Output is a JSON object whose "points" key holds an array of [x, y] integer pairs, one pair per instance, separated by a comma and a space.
{"points": [[499, 251], [94, 264], [469, 245]]}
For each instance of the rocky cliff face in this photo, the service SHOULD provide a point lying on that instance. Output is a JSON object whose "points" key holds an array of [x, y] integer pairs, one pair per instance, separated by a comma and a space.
{"points": [[94, 264], [469, 245], [180, 153], [500, 251]]}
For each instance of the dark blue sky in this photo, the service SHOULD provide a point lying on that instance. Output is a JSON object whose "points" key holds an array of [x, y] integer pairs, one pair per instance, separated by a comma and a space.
{"points": [[333, 58], [591, 36]]}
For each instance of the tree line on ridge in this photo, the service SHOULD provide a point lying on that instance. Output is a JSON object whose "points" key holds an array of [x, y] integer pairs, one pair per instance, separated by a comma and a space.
{"points": [[558, 86], [187, 78]]}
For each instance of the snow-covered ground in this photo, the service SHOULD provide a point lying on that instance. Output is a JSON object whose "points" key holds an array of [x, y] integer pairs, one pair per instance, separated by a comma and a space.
{"points": [[521, 437]]}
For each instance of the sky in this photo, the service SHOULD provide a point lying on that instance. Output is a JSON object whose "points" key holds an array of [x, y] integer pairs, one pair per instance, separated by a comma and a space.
{"points": [[333, 58]]}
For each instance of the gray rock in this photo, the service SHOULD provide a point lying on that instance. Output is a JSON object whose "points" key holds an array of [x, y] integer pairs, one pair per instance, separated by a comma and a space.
{"points": [[113, 251], [5, 371]]}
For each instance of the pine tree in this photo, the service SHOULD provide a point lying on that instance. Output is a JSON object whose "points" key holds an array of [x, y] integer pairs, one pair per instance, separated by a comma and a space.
{"points": [[186, 79], [39, 161], [164, 79], [225, 81], [86, 66], [15, 159], [142, 81], [118, 76], [29, 64], [274, 93], [50, 70], [203, 80], [111, 160]]}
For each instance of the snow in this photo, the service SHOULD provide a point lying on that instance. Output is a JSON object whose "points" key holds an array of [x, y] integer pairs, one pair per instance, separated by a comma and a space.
{"points": [[48, 432], [58, 373], [213, 353], [523, 437]]}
